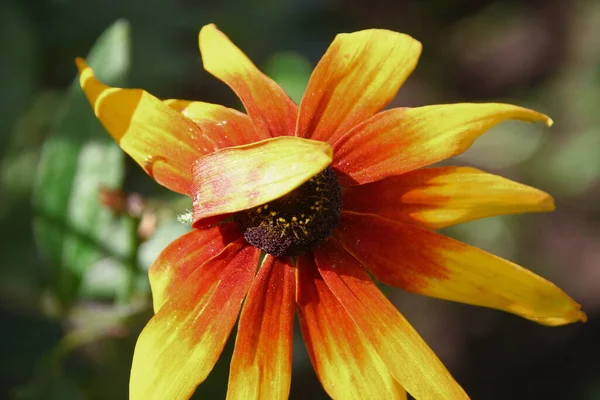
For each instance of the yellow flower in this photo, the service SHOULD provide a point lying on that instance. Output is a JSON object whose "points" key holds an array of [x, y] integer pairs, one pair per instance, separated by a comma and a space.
{"points": [[314, 196]]}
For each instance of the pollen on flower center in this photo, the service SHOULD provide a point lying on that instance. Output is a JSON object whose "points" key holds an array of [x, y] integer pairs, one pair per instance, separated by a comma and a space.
{"points": [[297, 222]]}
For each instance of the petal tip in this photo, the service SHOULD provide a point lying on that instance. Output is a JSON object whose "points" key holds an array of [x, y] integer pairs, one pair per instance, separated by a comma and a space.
{"points": [[572, 315], [536, 116], [547, 203], [205, 32], [85, 72], [81, 64], [209, 26], [577, 315]]}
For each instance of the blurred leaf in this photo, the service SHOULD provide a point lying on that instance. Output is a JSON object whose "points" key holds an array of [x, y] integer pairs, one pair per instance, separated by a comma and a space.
{"points": [[576, 164], [19, 66], [50, 382], [103, 278], [17, 168], [72, 229], [291, 70], [17, 172]]}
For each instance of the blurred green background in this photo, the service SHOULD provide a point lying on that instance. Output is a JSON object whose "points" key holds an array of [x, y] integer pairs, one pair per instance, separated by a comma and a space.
{"points": [[80, 223]]}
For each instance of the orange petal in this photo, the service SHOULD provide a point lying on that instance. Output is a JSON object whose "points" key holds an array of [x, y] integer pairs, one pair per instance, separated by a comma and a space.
{"points": [[261, 367], [158, 138], [426, 262], [182, 342], [240, 178], [272, 111], [358, 75], [183, 256], [439, 197], [224, 127], [346, 363], [403, 139], [407, 356]]}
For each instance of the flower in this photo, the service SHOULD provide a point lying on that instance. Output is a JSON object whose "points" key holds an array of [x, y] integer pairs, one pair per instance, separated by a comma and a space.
{"points": [[292, 205]]}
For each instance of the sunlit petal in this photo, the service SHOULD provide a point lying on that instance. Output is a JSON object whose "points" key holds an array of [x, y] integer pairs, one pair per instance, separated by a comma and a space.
{"points": [[358, 75], [426, 262], [403, 139], [271, 110], [346, 363], [261, 367], [407, 356], [225, 127], [182, 342], [439, 197], [240, 178], [183, 256], [158, 138]]}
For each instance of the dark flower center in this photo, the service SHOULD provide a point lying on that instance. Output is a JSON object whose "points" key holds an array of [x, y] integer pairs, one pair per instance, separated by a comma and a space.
{"points": [[297, 222]]}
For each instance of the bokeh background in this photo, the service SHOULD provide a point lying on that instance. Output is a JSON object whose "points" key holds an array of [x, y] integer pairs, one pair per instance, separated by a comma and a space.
{"points": [[80, 223]]}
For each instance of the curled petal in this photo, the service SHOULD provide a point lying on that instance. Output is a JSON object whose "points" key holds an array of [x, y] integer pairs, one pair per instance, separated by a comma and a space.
{"points": [[358, 75], [428, 263], [183, 256], [407, 356], [158, 138], [182, 342], [222, 126], [403, 139], [345, 361], [240, 178], [261, 367], [439, 197], [272, 111]]}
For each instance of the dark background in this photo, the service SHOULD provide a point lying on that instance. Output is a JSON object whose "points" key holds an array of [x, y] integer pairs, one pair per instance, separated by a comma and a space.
{"points": [[68, 316]]}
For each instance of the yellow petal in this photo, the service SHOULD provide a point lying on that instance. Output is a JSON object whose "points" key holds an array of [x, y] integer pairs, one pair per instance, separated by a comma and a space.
{"points": [[225, 127], [428, 263], [158, 138], [344, 359], [182, 342], [240, 178], [404, 352], [400, 140], [272, 111], [439, 197], [358, 75], [261, 366], [185, 255]]}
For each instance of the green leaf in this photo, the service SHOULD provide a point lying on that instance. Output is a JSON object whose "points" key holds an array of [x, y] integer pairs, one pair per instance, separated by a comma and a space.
{"points": [[19, 67], [73, 230]]}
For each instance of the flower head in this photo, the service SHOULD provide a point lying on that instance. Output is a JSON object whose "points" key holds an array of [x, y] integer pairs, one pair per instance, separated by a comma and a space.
{"points": [[294, 205]]}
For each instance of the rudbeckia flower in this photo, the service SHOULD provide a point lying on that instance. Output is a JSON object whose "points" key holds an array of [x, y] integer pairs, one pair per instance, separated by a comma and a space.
{"points": [[295, 207]]}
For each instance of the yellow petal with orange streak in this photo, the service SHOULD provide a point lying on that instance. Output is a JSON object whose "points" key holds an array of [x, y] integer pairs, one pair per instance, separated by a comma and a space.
{"points": [[225, 126], [181, 344], [425, 262], [183, 256], [240, 178], [435, 198], [358, 75], [271, 110], [161, 140], [345, 361], [400, 140], [261, 366], [404, 352]]}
